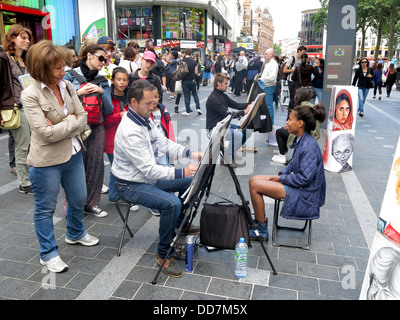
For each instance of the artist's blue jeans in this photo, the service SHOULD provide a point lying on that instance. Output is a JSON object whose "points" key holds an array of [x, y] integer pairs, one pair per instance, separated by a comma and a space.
{"points": [[362, 96], [46, 184], [237, 139], [161, 197]]}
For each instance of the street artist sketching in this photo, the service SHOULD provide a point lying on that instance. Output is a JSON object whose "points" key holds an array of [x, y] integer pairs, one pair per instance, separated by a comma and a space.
{"points": [[142, 181]]}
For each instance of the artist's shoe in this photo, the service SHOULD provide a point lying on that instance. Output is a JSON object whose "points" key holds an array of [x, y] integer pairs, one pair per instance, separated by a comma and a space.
{"points": [[170, 268], [262, 230]]}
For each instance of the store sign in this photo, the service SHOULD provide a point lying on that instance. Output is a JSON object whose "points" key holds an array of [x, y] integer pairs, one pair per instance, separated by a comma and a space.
{"points": [[228, 48], [186, 44], [249, 45]]}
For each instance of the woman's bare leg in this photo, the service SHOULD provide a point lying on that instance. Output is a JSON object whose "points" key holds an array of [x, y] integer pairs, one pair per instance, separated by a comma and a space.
{"points": [[259, 187]]}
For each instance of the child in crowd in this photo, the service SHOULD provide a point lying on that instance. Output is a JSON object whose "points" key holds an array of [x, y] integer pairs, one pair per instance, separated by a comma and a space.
{"points": [[162, 120], [119, 97]]}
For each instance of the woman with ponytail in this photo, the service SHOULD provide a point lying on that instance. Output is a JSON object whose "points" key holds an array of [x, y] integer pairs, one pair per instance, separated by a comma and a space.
{"points": [[302, 183]]}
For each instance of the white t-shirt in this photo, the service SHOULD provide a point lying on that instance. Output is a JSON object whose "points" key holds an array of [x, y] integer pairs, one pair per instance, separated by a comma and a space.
{"points": [[289, 62]]}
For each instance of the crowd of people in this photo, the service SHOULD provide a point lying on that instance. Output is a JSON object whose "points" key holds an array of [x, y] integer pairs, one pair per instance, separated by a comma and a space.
{"points": [[80, 106]]}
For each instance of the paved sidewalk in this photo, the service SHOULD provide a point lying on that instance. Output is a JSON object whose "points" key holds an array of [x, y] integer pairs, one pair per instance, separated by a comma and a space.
{"points": [[333, 268]]}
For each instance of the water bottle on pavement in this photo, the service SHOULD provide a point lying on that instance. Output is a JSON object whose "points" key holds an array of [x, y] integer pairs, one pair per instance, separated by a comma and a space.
{"points": [[241, 255]]}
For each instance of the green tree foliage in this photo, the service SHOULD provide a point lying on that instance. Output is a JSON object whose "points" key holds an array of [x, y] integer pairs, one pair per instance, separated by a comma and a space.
{"points": [[381, 15]]}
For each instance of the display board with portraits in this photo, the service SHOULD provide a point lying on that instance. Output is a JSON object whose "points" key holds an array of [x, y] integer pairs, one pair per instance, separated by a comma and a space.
{"points": [[340, 133], [382, 277]]}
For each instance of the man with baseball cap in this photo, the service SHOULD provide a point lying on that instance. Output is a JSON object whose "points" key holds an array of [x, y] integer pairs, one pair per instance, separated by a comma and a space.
{"points": [[145, 73]]}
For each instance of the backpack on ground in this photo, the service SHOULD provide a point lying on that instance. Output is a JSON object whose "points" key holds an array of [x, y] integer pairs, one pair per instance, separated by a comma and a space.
{"points": [[181, 71], [92, 103]]}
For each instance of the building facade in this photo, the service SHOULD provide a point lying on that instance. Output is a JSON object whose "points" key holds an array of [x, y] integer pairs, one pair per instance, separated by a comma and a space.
{"points": [[264, 29], [247, 27], [310, 37]]}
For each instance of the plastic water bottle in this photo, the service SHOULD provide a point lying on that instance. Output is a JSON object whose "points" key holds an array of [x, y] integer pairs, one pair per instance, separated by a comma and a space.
{"points": [[189, 253], [241, 255]]}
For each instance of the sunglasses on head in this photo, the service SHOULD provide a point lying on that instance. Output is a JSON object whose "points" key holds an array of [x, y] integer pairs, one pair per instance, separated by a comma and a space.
{"points": [[101, 58]]}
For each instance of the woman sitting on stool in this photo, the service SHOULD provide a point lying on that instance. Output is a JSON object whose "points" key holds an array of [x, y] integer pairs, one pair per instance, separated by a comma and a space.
{"points": [[302, 183]]}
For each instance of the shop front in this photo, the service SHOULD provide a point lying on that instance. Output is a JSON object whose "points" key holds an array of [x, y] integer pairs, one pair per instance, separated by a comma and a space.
{"points": [[164, 27], [183, 28], [30, 14]]}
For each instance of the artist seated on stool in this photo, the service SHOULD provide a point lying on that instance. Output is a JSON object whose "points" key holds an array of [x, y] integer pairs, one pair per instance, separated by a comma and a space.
{"points": [[217, 108], [303, 178], [141, 180]]}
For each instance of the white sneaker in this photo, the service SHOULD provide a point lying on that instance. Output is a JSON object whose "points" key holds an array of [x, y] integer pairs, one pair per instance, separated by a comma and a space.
{"points": [[280, 158], [134, 208], [155, 212], [55, 265], [185, 113], [104, 189], [87, 241]]}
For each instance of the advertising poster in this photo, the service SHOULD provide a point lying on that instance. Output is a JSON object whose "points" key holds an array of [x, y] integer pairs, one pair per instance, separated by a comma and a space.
{"points": [[95, 30], [382, 277], [340, 133]]}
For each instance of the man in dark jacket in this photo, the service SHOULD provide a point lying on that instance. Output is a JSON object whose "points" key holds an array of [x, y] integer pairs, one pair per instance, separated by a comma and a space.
{"points": [[148, 62], [217, 108]]}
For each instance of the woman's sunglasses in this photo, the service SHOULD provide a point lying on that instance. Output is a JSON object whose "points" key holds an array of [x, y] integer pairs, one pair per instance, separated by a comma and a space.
{"points": [[364, 61], [101, 58]]}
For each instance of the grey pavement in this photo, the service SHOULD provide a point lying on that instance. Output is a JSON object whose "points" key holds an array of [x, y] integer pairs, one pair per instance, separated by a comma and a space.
{"points": [[341, 238]]}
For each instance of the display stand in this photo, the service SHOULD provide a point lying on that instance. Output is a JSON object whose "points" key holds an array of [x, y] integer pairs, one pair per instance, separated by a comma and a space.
{"points": [[202, 183]]}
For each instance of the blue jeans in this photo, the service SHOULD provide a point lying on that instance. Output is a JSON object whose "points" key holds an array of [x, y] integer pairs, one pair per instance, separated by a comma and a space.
{"points": [[236, 139], [159, 197], [319, 92], [269, 100], [189, 87], [46, 186], [362, 96]]}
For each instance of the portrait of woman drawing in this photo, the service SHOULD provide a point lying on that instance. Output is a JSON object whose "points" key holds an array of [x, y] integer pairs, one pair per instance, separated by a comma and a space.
{"points": [[343, 118]]}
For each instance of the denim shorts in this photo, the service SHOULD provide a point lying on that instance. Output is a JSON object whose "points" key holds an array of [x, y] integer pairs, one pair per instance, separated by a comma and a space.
{"points": [[286, 188]]}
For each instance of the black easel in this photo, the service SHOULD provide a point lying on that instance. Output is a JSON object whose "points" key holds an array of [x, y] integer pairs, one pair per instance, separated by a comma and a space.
{"points": [[194, 204]]}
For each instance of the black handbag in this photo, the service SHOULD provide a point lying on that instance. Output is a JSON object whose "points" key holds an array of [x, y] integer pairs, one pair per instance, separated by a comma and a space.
{"points": [[223, 224]]}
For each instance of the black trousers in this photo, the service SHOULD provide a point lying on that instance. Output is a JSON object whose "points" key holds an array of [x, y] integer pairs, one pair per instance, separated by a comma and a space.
{"points": [[282, 136]]}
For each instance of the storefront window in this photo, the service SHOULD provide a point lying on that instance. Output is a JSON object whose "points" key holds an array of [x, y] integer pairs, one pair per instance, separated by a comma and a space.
{"points": [[183, 23], [33, 4], [135, 23]]}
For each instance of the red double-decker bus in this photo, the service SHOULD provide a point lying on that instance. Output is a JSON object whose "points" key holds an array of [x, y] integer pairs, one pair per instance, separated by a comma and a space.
{"points": [[316, 51]]}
